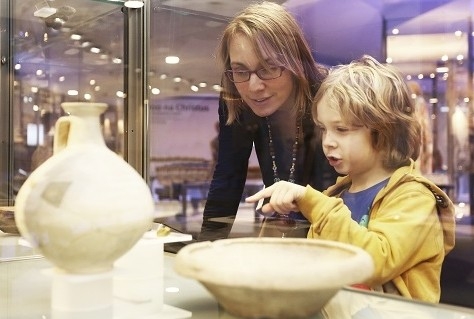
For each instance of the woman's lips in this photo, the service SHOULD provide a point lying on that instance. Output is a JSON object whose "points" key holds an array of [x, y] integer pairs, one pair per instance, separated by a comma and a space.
{"points": [[261, 107], [262, 100]]}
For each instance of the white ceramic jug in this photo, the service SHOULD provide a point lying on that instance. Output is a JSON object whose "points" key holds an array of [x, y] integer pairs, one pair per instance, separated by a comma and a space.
{"points": [[85, 206]]}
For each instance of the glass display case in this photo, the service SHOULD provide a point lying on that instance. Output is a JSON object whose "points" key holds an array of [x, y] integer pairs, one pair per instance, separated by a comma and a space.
{"points": [[155, 67]]}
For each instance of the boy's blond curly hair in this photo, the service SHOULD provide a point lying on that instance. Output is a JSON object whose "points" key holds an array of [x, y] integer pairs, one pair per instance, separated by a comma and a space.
{"points": [[369, 93]]}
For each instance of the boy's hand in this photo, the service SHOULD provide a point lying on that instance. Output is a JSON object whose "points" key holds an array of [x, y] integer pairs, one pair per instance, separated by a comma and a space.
{"points": [[283, 196]]}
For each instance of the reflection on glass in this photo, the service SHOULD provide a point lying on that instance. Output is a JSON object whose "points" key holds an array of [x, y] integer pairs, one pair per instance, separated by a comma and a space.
{"points": [[60, 54], [438, 75], [68, 47]]}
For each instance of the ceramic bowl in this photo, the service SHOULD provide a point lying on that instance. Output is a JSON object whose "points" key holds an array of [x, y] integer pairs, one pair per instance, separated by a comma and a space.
{"points": [[273, 277]]}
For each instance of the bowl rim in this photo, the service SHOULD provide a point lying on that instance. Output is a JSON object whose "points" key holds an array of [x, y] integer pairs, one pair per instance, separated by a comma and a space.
{"points": [[359, 266]]}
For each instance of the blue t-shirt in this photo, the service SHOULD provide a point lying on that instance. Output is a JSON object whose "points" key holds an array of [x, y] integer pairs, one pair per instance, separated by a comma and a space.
{"points": [[359, 203]]}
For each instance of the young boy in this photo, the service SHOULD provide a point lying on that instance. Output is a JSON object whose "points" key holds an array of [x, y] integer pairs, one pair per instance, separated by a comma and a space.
{"points": [[382, 203]]}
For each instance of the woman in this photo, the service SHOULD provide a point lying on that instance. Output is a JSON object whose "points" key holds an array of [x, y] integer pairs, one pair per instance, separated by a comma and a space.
{"points": [[269, 80]]}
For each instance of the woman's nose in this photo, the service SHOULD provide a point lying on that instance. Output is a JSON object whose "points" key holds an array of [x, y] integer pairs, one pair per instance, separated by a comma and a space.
{"points": [[255, 83]]}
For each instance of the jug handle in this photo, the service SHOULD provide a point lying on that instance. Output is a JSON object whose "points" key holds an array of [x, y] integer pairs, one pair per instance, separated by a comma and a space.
{"points": [[61, 134]]}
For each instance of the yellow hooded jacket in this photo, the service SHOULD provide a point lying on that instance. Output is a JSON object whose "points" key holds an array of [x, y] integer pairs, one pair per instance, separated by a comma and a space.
{"points": [[411, 228]]}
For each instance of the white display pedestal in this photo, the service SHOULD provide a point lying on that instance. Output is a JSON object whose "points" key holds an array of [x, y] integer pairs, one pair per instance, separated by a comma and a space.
{"points": [[138, 280], [75, 296], [132, 290]]}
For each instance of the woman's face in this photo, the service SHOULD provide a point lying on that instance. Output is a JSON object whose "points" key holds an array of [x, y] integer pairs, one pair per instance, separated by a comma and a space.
{"points": [[264, 97]]}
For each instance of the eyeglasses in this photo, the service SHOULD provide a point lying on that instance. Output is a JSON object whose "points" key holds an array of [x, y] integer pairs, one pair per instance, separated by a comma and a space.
{"points": [[270, 73]]}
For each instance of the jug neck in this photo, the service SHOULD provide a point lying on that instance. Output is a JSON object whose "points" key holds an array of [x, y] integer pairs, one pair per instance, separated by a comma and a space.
{"points": [[82, 126], [86, 129]]}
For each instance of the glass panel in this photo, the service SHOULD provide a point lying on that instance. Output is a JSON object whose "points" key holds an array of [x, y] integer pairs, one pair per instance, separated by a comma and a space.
{"points": [[183, 116], [62, 53], [439, 76], [435, 56], [183, 106], [183, 97]]}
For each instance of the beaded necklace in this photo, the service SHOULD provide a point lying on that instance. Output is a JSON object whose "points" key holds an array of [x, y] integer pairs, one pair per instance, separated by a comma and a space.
{"points": [[291, 177]]}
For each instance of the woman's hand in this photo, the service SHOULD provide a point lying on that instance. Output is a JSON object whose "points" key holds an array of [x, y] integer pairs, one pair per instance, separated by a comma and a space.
{"points": [[283, 197]]}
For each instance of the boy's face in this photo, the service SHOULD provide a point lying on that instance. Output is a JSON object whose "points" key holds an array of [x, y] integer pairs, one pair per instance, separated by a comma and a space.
{"points": [[347, 147]]}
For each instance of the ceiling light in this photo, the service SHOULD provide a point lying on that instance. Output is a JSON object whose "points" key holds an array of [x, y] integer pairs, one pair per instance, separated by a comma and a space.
{"points": [[45, 12], [134, 4], [172, 59]]}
